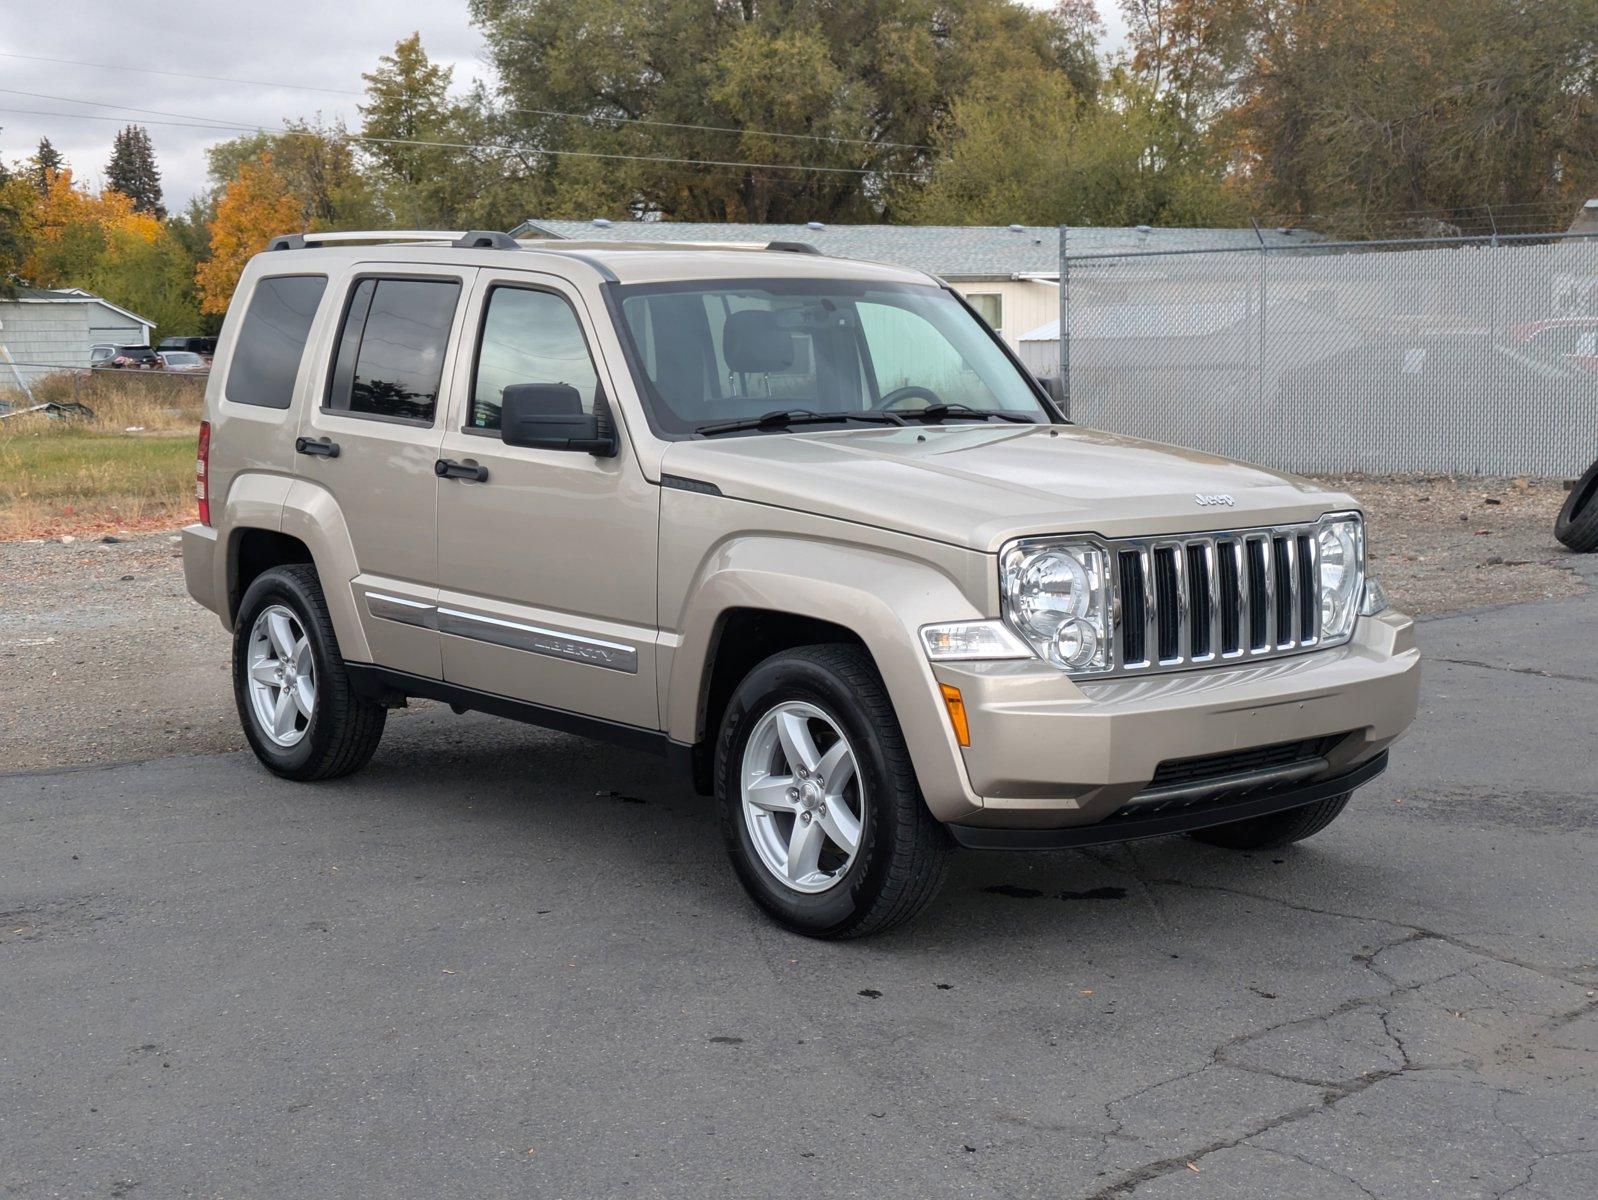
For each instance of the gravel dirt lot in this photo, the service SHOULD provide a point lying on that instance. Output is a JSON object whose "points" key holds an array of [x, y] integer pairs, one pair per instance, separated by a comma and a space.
{"points": [[106, 659]]}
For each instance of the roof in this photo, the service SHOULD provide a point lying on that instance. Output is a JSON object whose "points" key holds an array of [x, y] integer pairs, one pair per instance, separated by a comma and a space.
{"points": [[950, 251], [34, 295]]}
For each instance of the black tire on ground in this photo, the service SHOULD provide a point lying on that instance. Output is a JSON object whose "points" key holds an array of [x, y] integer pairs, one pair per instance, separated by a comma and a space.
{"points": [[903, 851], [1278, 829], [344, 728], [1577, 524]]}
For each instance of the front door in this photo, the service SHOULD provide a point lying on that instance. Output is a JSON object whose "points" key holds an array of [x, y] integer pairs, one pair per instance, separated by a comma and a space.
{"points": [[370, 438], [546, 560]]}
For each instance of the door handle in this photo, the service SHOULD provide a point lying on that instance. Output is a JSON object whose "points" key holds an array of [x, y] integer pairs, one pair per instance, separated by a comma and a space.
{"points": [[448, 468], [317, 447]]}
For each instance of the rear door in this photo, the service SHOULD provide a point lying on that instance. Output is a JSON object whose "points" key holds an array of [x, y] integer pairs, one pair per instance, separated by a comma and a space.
{"points": [[546, 564], [371, 441]]}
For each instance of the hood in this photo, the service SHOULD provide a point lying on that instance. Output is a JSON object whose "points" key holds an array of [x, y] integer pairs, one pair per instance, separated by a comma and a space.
{"points": [[980, 485]]}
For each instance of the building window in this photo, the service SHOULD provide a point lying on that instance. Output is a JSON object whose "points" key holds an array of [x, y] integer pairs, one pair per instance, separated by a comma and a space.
{"points": [[990, 307]]}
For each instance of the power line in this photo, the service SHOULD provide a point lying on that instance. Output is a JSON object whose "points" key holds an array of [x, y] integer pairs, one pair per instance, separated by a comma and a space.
{"points": [[192, 122], [74, 62], [542, 112]]}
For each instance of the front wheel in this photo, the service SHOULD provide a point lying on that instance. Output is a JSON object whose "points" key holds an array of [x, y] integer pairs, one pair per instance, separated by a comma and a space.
{"points": [[300, 713], [819, 805], [1277, 829]]}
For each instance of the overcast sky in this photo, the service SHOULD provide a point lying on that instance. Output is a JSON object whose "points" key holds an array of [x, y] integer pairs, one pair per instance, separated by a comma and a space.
{"points": [[285, 47]]}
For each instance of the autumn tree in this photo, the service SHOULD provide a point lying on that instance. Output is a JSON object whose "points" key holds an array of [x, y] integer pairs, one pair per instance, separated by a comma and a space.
{"points": [[132, 170], [101, 243], [255, 207], [317, 165]]}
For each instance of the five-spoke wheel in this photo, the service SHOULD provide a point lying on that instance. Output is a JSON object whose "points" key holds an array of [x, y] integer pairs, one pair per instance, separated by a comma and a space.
{"points": [[803, 799], [282, 675]]}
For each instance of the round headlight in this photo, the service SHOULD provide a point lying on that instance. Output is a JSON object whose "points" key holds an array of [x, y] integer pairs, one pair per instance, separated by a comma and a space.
{"points": [[1051, 588], [1076, 643]]}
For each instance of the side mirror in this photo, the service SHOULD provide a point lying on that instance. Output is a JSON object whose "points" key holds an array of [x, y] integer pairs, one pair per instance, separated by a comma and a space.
{"points": [[550, 416]]}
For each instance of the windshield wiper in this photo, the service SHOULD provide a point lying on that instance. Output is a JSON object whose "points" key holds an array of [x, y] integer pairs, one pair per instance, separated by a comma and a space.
{"points": [[939, 412], [783, 418]]}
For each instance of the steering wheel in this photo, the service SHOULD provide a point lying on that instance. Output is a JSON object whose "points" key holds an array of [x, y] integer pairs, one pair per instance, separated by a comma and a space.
{"points": [[913, 391]]}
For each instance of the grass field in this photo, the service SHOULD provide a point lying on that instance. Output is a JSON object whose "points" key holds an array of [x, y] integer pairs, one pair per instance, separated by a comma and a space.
{"points": [[129, 467]]}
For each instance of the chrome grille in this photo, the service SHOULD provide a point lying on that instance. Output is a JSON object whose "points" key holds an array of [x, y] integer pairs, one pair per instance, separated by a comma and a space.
{"points": [[1215, 597]]}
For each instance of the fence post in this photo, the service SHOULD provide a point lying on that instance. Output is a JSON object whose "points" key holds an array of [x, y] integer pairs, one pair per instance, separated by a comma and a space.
{"points": [[1065, 331], [1264, 303]]}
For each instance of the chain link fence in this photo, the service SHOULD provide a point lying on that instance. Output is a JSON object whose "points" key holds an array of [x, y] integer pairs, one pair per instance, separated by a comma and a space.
{"points": [[1461, 356]]}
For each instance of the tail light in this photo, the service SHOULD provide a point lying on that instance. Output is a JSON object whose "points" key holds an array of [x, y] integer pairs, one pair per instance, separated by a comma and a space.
{"points": [[202, 473]]}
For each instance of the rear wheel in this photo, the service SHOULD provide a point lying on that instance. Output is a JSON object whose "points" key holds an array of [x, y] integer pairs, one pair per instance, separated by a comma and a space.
{"points": [[819, 805], [1577, 525], [300, 713], [1278, 829]]}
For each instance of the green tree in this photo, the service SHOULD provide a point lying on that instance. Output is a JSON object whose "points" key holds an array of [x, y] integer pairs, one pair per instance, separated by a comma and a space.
{"points": [[857, 89], [132, 170], [46, 163], [407, 103], [1028, 147]]}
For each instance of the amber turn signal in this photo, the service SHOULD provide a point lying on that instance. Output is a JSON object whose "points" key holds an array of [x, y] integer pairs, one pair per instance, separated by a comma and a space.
{"points": [[955, 703]]}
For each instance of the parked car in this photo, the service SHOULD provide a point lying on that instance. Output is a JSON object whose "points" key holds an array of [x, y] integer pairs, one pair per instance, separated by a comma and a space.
{"points": [[140, 358], [183, 361], [802, 526], [1573, 338], [205, 347]]}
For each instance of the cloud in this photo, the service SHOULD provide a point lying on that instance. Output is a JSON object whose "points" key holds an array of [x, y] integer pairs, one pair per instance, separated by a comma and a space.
{"points": [[300, 45]]}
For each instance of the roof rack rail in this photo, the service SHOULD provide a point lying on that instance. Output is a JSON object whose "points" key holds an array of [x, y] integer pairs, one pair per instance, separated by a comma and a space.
{"points": [[793, 247], [471, 239]]}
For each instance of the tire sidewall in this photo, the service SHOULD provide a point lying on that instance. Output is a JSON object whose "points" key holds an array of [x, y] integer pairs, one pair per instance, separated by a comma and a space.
{"points": [[282, 587], [1580, 505], [792, 677]]}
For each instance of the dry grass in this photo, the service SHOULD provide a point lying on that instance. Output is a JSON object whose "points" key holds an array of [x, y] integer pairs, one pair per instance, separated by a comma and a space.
{"points": [[129, 467]]}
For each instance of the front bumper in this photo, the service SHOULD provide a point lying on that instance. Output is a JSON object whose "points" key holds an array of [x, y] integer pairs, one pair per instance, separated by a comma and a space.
{"points": [[1129, 824], [1050, 753]]}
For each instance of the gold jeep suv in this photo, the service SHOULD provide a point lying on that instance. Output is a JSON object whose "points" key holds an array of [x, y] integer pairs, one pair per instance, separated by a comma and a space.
{"points": [[800, 525]]}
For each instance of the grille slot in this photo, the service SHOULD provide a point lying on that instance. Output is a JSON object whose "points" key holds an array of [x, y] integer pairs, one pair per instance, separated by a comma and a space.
{"points": [[1233, 762], [1212, 597], [1134, 609], [1229, 598]]}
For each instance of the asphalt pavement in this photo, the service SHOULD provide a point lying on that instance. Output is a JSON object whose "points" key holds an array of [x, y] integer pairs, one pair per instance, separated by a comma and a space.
{"points": [[504, 962]]}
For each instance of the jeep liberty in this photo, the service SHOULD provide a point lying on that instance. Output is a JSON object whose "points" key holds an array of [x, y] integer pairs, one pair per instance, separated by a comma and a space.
{"points": [[803, 526]]}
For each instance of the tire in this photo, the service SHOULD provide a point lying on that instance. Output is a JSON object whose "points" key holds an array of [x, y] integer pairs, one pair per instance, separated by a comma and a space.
{"points": [[901, 852], [1577, 524], [342, 729], [1278, 829]]}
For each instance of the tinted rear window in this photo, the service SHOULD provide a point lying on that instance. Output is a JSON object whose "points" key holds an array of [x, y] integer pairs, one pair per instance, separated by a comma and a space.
{"points": [[271, 343], [390, 356]]}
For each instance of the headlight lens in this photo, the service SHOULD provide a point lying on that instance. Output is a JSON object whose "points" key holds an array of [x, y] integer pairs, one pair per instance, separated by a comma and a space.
{"points": [[1341, 542], [972, 641], [1057, 597]]}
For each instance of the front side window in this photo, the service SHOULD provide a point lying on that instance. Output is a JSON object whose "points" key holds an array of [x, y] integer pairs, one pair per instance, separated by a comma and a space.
{"points": [[390, 358], [271, 342], [713, 352], [528, 337]]}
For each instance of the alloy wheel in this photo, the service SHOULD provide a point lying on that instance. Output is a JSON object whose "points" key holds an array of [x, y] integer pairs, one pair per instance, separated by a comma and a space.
{"points": [[281, 676], [803, 798]]}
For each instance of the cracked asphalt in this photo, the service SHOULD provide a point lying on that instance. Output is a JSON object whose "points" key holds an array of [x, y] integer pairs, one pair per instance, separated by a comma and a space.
{"points": [[507, 962]]}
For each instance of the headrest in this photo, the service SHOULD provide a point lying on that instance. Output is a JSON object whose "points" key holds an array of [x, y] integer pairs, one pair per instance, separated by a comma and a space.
{"points": [[752, 341]]}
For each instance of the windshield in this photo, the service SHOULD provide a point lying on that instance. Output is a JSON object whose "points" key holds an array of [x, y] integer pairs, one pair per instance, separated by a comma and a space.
{"points": [[181, 358], [714, 352]]}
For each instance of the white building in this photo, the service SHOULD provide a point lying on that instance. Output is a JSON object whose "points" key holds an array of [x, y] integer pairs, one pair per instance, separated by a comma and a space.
{"points": [[44, 330]]}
